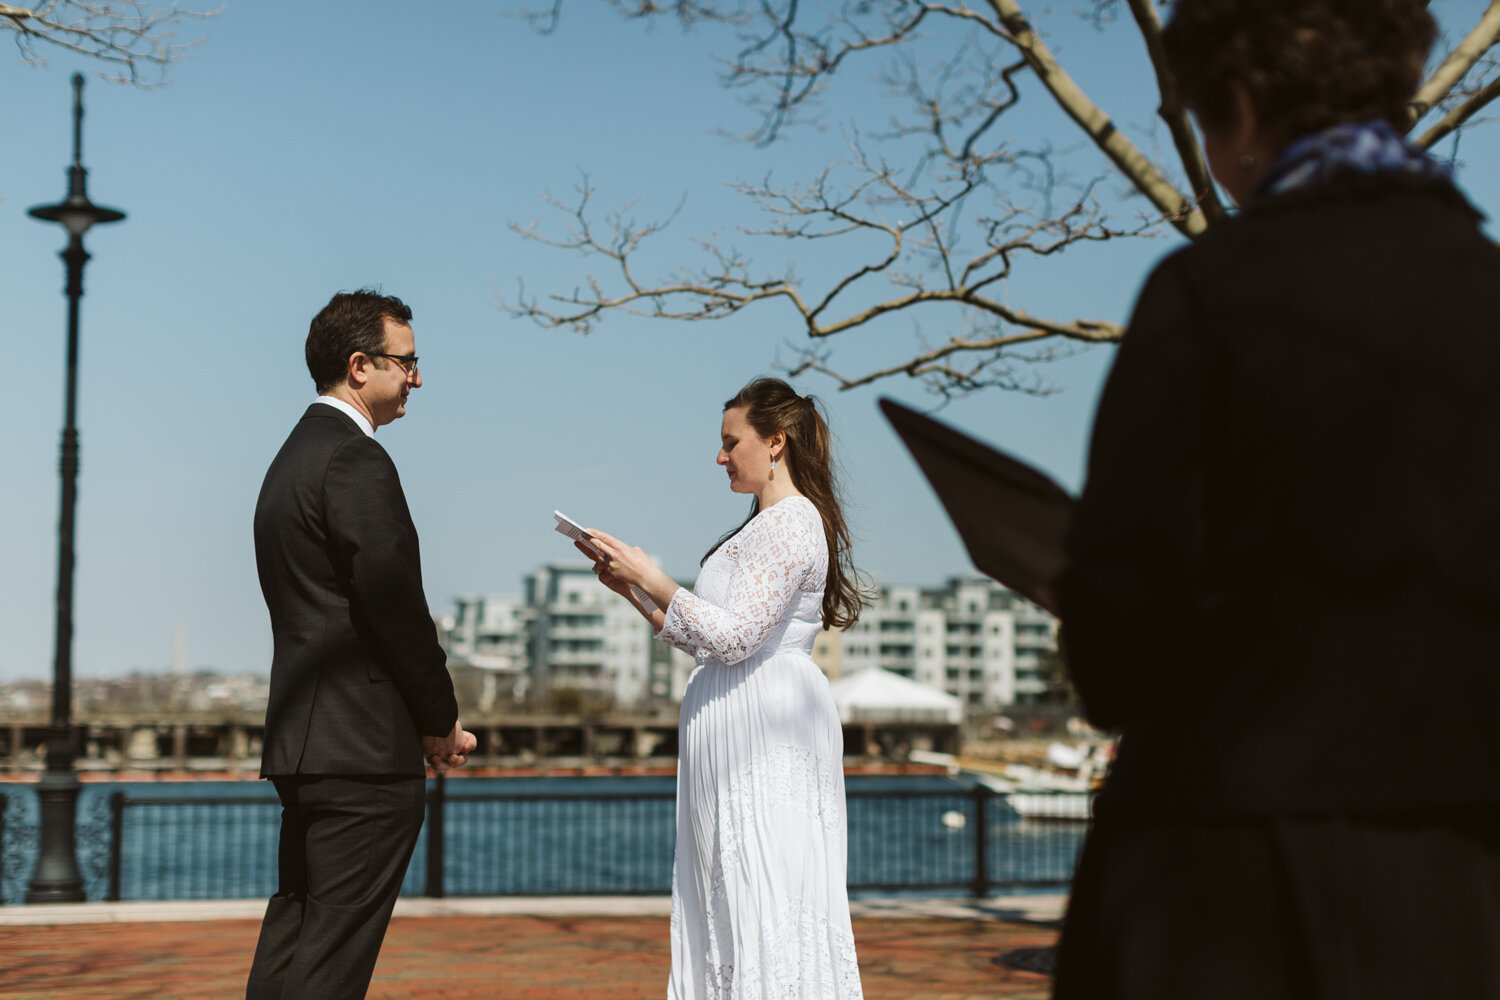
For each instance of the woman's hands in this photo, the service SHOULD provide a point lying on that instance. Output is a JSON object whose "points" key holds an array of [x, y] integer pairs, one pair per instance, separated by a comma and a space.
{"points": [[601, 568], [621, 561], [619, 565]]}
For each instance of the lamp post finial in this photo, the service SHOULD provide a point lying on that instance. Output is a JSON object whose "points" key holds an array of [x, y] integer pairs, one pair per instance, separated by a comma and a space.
{"points": [[78, 119]]}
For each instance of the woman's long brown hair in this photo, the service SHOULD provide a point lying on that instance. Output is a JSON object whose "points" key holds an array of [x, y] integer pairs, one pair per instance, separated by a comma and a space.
{"points": [[770, 406]]}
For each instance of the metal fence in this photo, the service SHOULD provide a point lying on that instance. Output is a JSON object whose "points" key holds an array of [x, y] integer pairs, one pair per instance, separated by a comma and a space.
{"points": [[953, 839]]}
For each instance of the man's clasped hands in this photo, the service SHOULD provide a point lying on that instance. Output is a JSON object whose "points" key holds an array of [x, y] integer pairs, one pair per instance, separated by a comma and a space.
{"points": [[444, 753]]}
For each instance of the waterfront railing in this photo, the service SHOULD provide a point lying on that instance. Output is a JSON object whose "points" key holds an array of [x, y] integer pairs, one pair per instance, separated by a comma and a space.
{"points": [[615, 840]]}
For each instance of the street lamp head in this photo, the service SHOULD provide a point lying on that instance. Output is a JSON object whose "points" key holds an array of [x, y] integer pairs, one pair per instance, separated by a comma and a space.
{"points": [[76, 213]]}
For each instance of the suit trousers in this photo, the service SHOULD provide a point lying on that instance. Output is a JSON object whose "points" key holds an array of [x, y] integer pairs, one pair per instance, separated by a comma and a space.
{"points": [[345, 844], [1331, 908]]}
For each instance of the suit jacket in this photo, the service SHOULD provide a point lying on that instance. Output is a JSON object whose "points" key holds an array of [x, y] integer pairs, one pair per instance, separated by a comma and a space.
{"points": [[1284, 583], [357, 672]]}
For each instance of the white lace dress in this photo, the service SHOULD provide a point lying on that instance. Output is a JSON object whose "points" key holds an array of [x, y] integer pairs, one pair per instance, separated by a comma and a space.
{"points": [[760, 905]]}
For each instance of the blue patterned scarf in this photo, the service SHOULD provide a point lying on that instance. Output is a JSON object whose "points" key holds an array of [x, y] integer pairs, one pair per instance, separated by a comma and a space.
{"points": [[1367, 148]]}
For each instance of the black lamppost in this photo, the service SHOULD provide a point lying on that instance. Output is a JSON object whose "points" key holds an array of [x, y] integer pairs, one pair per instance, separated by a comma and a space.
{"points": [[56, 879]]}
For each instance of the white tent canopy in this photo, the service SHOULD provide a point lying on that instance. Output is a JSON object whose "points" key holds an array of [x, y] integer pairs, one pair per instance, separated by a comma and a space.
{"points": [[876, 695]]}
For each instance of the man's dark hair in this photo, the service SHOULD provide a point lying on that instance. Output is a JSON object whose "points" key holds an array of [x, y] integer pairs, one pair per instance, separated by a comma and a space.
{"points": [[351, 322]]}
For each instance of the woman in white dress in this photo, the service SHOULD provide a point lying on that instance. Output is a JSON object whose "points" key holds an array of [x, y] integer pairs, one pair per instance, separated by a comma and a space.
{"points": [[760, 905]]}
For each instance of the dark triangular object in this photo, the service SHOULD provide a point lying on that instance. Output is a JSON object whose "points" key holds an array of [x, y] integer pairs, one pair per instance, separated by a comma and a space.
{"points": [[1012, 518]]}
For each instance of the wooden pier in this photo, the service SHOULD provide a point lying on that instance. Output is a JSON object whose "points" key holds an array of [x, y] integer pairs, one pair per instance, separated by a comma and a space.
{"points": [[200, 743]]}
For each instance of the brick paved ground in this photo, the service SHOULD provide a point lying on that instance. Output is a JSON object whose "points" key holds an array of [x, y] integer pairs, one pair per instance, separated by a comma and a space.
{"points": [[493, 958]]}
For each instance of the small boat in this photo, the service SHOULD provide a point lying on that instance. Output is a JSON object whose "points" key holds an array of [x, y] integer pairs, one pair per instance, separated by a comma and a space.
{"points": [[1043, 795], [1032, 792]]}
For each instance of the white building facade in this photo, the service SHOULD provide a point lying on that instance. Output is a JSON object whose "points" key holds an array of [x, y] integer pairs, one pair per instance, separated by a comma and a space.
{"points": [[564, 631], [492, 633], [971, 638], [587, 638]]}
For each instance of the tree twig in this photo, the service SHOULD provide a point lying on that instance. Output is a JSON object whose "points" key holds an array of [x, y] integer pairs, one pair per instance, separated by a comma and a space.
{"points": [[1456, 66]]}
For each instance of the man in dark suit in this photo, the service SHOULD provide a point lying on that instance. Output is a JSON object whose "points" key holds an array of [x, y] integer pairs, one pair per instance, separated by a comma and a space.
{"points": [[360, 692]]}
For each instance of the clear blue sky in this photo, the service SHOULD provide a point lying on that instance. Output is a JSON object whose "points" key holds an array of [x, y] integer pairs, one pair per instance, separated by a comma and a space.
{"points": [[307, 148]]}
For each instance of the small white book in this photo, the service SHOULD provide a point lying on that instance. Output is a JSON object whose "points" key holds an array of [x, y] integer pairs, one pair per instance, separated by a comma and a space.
{"points": [[567, 526]]}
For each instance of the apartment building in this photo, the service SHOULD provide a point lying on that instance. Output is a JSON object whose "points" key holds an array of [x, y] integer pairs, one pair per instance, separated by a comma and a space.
{"points": [[587, 638], [491, 633], [563, 631], [971, 638]]}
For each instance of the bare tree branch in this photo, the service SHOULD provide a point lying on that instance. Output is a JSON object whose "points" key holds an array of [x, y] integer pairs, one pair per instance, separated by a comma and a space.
{"points": [[804, 62], [1175, 114], [815, 213], [1456, 118], [543, 22], [1456, 66], [1130, 161], [808, 60], [991, 365], [131, 35], [949, 213]]}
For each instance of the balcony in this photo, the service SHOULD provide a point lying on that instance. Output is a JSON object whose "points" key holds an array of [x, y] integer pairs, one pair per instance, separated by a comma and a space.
{"points": [[578, 658], [575, 633]]}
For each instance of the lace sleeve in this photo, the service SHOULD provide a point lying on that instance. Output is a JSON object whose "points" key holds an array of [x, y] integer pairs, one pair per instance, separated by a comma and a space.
{"points": [[777, 553]]}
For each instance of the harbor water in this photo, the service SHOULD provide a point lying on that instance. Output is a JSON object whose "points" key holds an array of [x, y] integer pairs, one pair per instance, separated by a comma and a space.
{"points": [[927, 834]]}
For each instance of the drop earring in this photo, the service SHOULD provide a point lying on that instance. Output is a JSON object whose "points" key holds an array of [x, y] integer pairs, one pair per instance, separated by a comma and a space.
{"points": [[773, 466]]}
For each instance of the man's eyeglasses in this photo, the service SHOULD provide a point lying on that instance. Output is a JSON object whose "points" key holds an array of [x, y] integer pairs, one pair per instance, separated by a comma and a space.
{"points": [[408, 362]]}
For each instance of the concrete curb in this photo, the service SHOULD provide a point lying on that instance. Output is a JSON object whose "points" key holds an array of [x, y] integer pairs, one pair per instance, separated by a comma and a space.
{"points": [[1014, 909]]}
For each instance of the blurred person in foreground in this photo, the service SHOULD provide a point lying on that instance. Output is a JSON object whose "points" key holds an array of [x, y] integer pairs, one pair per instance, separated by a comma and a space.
{"points": [[1284, 583], [760, 904], [360, 691]]}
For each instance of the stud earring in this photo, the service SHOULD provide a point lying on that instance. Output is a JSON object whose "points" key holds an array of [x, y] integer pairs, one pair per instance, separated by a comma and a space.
{"points": [[1247, 162]]}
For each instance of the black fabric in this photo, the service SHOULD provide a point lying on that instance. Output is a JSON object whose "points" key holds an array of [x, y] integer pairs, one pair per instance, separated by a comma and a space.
{"points": [[357, 674], [356, 677], [345, 844], [1286, 909], [1012, 518], [1284, 570]]}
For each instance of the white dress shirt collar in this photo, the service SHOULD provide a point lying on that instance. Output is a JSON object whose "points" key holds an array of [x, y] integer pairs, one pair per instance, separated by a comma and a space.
{"points": [[358, 418]]}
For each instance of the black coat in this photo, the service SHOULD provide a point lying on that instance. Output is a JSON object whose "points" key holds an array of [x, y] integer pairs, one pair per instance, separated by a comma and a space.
{"points": [[1285, 567], [357, 672]]}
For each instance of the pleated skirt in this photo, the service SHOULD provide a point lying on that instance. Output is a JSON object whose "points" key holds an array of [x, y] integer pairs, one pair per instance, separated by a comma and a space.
{"points": [[760, 905]]}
